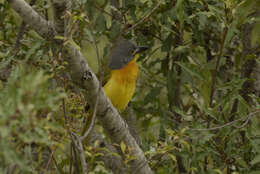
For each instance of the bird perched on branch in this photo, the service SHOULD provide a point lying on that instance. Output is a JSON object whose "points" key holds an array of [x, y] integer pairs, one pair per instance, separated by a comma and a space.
{"points": [[121, 85]]}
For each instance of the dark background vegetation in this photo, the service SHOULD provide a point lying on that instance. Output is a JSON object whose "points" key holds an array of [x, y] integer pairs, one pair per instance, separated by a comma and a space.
{"points": [[197, 96]]}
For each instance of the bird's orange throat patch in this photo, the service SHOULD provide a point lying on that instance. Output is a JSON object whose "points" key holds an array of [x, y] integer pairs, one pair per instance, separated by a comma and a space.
{"points": [[128, 73]]}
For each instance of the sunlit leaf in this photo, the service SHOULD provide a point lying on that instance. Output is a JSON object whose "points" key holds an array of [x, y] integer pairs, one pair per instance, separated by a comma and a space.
{"points": [[255, 160]]}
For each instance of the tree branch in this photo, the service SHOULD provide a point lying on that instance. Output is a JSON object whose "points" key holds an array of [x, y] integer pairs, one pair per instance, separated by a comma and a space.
{"points": [[111, 161], [32, 18], [112, 122], [83, 76], [21, 32]]}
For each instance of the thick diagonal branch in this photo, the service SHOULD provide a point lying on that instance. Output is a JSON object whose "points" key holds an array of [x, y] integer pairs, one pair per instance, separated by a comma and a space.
{"points": [[32, 18], [82, 75], [112, 122]]}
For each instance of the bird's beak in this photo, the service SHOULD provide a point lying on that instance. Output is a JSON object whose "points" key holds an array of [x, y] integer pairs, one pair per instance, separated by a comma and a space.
{"points": [[141, 49]]}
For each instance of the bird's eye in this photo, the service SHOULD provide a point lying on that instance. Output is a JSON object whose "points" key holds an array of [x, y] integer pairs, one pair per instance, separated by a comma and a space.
{"points": [[132, 52]]}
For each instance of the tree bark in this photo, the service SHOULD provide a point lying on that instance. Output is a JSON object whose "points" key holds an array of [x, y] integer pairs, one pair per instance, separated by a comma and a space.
{"points": [[84, 77]]}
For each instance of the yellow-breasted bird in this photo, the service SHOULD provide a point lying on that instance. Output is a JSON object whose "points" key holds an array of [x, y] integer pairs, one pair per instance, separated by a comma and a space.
{"points": [[124, 71], [121, 85]]}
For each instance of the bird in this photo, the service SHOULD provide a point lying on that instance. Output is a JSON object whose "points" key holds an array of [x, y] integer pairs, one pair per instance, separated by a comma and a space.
{"points": [[121, 85]]}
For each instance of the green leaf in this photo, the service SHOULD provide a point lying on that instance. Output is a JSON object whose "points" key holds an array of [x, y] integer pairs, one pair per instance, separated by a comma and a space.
{"points": [[152, 95], [72, 43], [255, 160], [242, 162], [179, 111], [191, 69], [123, 147], [173, 158], [218, 171], [90, 35], [60, 37], [172, 84], [89, 6], [232, 29], [244, 9], [167, 44], [205, 92], [101, 24], [181, 49], [32, 50], [255, 35], [254, 172], [180, 12], [114, 30], [101, 2]]}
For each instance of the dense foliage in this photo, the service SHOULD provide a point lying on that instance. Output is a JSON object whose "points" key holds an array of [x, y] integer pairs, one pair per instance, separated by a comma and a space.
{"points": [[197, 97]]}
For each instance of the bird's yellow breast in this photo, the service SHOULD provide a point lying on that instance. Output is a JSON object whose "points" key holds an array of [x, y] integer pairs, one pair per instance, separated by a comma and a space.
{"points": [[121, 85]]}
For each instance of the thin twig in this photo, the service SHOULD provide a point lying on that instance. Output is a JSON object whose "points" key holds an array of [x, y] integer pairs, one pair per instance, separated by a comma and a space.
{"points": [[213, 84], [78, 144], [50, 158], [93, 118], [245, 123], [64, 111], [231, 123], [102, 10], [143, 18], [19, 37], [71, 158], [214, 78], [56, 164], [75, 156], [150, 76], [21, 31]]}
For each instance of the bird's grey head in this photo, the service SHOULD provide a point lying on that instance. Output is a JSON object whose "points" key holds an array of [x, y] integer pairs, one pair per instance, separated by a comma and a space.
{"points": [[122, 53]]}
